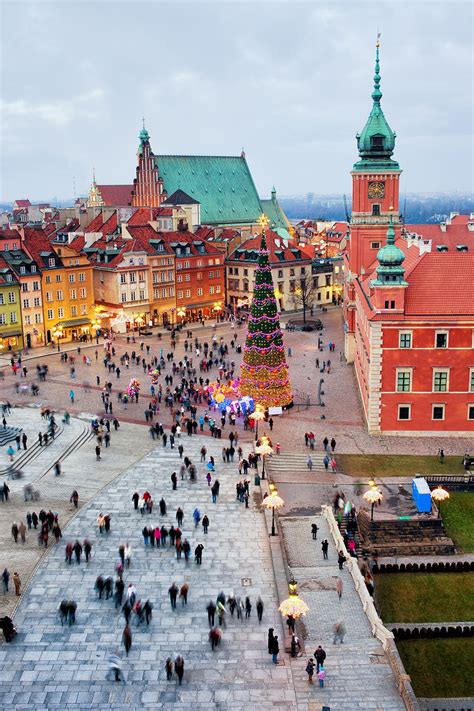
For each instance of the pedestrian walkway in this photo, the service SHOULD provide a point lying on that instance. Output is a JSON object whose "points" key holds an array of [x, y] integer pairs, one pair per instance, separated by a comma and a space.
{"points": [[358, 674], [48, 666]]}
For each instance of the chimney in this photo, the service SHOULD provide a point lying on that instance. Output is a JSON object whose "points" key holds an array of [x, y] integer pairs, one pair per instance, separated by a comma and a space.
{"points": [[442, 226]]}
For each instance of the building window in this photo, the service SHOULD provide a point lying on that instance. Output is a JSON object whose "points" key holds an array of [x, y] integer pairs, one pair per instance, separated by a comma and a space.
{"points": [[142, 294], [26, 303], [404, 412], [47, 279], [141, 276], [82, 276], [187, 277], [49, 296], [13, 317], [179, 278], [389, 304], [22, 270], [24, 287], [405, 339], [163, 293], [83, 309], [83, 293], [3, 318], [471, 380], [133, 278], [37, 301], [123, 278], [199, 262], [199, 291], [59, 278], [133, 296], [280, 273], [440, 380], [376, 210], [186, 264], [375, 245], [124, 297], [303, 270], [72, 278], [27, 319], [199, 276], [156, 293], [188, 293], [60, 312], [211, 289], [11, 297], [211, 275], [73, 310], [438, 412], [328, 280], [292, 272], [51, 261], [50, 314], [218, 289], [37, 318], [59, 295], [73, 294], [180, 294], [33, 268], [470, 412], [36, 286], [171, 291], [441, 339]]}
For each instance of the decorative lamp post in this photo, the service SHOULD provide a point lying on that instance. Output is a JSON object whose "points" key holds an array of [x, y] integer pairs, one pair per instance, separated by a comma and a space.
{"points": [[257, 416], [181, 313], [263, 450], [58, 334], [273, 501], [293, 607], [439, 494], [373, 496]]}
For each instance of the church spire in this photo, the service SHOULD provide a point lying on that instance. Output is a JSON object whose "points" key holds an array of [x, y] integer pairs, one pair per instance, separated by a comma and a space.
{"points": [[376, 142]]}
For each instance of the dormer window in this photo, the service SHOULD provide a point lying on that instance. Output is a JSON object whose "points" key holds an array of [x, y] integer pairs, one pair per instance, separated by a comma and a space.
{"points": [[51, 261], [22, 270], [376, 142], [33, 268]]}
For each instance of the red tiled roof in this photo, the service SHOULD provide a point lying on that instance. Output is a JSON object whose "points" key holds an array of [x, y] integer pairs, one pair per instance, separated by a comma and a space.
{"points": [[144, 215], [204, 232], [78, 243], [116, 195], [276, 245], [22, 203], [441, 284], [106, 228], [456, 232], [35, 243]]}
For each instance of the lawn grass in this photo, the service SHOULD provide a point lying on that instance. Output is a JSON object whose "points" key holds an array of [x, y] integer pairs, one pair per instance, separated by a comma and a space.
{"points": [[439, 667], [365, 466], [425, 597], [458, 518]]}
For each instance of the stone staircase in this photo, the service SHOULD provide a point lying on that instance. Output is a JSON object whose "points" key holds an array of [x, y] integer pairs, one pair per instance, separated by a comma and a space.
{"points": [[394, 537], [294, 465], [8, 434]]}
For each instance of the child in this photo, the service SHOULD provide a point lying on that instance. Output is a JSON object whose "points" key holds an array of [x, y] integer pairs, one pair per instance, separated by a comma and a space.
{"points": [[321, 675], [310, 670]]}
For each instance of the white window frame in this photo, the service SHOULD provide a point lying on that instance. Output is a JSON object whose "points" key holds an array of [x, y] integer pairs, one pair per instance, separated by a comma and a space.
{"points": [[470, 419], [438, 404], [405, 333], [404, 419], [435, 372], [471, 380], [439, 333]]}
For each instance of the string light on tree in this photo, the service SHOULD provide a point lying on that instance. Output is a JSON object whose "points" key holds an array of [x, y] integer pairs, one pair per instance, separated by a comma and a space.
{"points": [[264, 371]]}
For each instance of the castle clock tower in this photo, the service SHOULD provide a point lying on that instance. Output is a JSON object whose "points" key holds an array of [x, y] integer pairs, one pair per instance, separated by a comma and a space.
{"points": [[375, 196]]}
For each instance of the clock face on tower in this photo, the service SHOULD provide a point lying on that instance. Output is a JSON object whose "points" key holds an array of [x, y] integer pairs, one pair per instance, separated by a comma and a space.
{"points": [[376, 189]]}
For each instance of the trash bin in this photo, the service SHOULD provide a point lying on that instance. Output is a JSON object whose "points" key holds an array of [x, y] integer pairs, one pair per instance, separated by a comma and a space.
{"points": [[257, 480]]}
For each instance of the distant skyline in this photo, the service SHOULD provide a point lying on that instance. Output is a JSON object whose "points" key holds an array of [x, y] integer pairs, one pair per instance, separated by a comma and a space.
{"points": [[288, 82]]}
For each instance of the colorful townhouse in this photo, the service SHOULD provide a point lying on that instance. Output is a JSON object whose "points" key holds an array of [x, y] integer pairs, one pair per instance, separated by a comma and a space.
{"points": [[11, 334]]}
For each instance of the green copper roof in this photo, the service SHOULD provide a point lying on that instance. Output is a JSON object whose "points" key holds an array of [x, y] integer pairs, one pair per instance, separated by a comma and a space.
{"points": [[390, 258], [376, 143], [222, 184], [272, 209]]}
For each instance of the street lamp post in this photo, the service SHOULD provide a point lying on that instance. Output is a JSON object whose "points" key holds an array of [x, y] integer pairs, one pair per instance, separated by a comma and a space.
{"points": [[439, 494], [263, 450], [257, 416], [293, 607], [57, 333], [273, 501], [373, 496]]}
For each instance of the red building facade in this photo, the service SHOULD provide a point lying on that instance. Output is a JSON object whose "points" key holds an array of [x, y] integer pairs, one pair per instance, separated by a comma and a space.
{"points": [[409, 312]]}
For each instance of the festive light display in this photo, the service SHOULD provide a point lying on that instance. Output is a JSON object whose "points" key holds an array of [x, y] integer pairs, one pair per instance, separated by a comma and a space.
{"points": [[264, 371], [226, 396], [133, 387]]}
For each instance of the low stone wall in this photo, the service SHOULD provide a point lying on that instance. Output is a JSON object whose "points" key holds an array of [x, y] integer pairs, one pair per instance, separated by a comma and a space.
{"points": [[459, 704], [378, 628], [455, 566]]}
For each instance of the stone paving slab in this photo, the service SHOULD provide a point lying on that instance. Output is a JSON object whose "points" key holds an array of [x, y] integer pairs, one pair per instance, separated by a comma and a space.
{"points": [[71, 663]]}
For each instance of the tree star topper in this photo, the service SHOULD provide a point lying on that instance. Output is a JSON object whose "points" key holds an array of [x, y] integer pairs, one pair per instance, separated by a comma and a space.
{"points": [[263, 221]]}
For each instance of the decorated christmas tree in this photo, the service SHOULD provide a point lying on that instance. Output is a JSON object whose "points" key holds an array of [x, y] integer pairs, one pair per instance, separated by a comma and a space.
{"points": [[264, 370]]}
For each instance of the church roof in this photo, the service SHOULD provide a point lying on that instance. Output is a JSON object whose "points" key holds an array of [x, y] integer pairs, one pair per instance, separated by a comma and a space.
{"points": [[179, 197], [222, 184], [116, 195], [276, 216]]}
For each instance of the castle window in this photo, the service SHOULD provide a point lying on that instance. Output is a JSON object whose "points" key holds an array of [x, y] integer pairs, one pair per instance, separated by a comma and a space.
{"points": [[404, 412], [376, 141], [403, 381], [470, 412], [375, 245], [405, 339], [376, 210], [437, 412], [441, 339]]}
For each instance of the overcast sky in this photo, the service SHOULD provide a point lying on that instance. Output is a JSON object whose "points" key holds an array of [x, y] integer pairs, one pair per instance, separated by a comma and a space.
{"points": [[288, 81]]}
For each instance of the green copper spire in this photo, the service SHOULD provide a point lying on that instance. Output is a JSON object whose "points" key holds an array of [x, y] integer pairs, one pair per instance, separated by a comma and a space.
{"points": [[143, 136], [376, 142], [390, 271]]}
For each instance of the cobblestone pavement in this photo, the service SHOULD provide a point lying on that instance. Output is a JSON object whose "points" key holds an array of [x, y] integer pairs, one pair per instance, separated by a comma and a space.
{"points": [[343, 415], [358, 675], [54, 667], [79, 471]]}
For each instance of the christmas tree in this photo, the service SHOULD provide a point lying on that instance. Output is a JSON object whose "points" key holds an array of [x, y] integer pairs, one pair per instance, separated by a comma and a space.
{"points": [[264, 370]]}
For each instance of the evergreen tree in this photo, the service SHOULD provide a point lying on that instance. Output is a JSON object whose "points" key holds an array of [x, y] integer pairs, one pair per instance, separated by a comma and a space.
{"points": [[264, 370]]}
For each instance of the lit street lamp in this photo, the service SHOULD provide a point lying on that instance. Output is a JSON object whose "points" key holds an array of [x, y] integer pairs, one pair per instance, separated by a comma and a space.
{"points": [[373, 496], [293, 606], [58, 334], [439, 494], [273, 501], [257, 417], [264, 449]]}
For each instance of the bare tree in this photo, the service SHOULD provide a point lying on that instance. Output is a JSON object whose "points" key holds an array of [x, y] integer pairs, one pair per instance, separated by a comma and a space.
{"points": [[304, 295]]}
